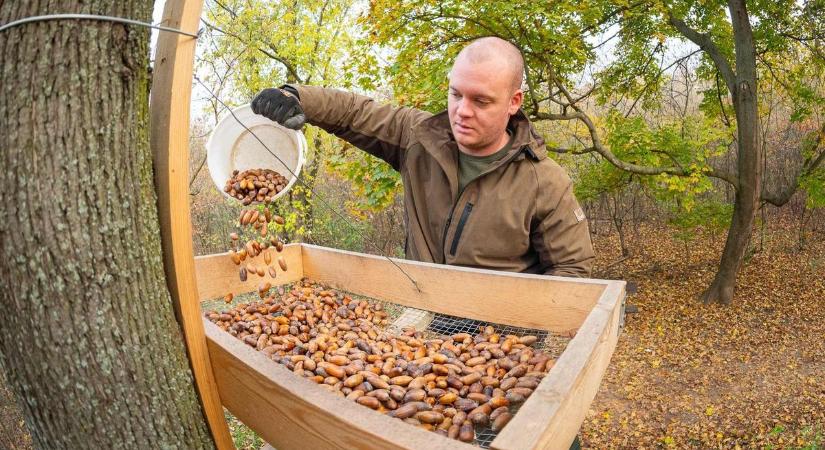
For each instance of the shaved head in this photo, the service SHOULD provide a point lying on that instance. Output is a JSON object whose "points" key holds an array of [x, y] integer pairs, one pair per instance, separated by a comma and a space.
{"points": [[490, 49], [484, 92]]}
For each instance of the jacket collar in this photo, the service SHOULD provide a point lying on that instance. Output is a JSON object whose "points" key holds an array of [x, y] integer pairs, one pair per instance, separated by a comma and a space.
{"points": [[436, 136]]}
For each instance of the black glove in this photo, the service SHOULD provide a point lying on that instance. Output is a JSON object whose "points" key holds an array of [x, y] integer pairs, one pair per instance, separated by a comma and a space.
{"points": [[279, 106]]}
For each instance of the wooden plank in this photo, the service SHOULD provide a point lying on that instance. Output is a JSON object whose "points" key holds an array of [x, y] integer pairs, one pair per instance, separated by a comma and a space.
{"points": [[169, 138], [411, 317], [551, 417], [218, 276], [532, 301], [293, 413]]}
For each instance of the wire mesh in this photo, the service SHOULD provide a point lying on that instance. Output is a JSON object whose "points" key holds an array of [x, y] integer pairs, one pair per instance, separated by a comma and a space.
{"points": [[485, 437]]}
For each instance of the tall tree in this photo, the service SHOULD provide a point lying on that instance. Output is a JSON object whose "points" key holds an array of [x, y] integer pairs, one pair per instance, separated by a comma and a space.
{"points": [[89, 340], [562, 42]]}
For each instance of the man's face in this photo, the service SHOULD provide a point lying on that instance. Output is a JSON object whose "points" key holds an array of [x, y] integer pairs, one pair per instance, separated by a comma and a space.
{"points": [[480, 103]]}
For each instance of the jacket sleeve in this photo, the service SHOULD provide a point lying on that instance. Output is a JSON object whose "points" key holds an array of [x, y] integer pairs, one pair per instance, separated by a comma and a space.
{"points": [[561, 234], [382, 130]]}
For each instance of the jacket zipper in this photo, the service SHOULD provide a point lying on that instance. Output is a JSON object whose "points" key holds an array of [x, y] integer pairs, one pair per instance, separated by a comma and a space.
{"points": [[460, 228]]}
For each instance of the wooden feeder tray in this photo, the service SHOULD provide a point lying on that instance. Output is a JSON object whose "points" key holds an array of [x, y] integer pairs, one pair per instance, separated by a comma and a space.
{"points": [[294, 413]]}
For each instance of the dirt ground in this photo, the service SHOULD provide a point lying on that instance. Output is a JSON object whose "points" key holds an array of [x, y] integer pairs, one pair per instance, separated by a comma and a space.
{"points": [[13, 433], [685, 375]]}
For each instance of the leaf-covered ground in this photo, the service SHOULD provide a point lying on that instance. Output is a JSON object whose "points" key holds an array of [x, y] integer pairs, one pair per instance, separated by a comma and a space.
{"points": [[685, 375]]}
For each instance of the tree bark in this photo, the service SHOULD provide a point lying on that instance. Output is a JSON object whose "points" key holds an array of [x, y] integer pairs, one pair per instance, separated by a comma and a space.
{"points": [[89, 340], [749, 165]]}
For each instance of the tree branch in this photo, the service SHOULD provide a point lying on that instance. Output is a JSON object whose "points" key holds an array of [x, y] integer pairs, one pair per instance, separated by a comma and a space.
{"points": [[293, 72], [810, 164], [724, 175], [705, 42], [197, 171], [597, 145], [287, 65]]}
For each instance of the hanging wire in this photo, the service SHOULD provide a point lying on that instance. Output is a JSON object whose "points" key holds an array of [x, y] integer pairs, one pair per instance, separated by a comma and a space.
{"points": [[48, 17], [309, 188]]}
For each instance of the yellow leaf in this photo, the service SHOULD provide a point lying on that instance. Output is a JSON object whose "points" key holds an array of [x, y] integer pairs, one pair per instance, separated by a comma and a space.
{"points": [[709, 411]]}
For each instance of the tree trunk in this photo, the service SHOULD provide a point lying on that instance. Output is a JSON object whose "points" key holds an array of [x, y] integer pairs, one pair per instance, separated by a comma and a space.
{"points": [[88, 340], [749, 166], [617, 215]]}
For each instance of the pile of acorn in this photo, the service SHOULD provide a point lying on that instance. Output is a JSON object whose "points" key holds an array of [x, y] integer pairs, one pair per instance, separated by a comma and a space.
{"points": [[255, 185], [453, 385]]}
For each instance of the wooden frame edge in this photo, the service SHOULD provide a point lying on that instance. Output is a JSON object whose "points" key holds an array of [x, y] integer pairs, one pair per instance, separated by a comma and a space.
{"points": [[456, 290], [169, 139], [492, 272]]}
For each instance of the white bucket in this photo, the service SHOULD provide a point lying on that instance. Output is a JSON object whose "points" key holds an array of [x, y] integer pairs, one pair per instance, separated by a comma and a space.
{"points": [[231, 147]]}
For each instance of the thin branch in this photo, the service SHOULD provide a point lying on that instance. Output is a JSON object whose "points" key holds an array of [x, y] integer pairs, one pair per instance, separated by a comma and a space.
{"points": [[723, 175], [810, 163], [288, 65], [725, 118], [197, 171], [571, 151], [705, 42], [272, 53], [597, 145], [608, 17], [231, 12], [658, 75]]}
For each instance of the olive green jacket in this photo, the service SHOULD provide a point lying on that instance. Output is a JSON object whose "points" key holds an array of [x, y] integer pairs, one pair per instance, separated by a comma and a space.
{"points": [[519, 215]]}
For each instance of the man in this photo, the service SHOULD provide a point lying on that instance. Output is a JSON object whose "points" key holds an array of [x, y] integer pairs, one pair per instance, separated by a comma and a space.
{"points": [[479, 189]]}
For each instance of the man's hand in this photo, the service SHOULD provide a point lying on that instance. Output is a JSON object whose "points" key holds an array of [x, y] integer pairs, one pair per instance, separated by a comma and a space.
{"points": [[279, 106]]}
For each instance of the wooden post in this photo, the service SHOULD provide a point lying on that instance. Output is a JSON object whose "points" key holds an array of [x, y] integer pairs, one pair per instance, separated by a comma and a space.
{"points": [[169, 137]]}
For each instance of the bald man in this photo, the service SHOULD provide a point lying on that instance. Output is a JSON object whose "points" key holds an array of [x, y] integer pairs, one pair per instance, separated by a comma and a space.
{"points": [[479, 190]]}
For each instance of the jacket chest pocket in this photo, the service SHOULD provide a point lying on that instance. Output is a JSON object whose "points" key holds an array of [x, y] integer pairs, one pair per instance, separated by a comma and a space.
{"points": [[491, 228]]}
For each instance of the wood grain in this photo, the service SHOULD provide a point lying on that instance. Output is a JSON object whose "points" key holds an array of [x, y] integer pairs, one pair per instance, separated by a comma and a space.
{"points": [[551, 417], [532, 301], [218, 276], [169, 138], [293, 413]]}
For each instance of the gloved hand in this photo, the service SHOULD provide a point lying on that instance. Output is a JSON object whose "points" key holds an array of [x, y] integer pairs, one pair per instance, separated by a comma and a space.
{"points": [[279, 106]]}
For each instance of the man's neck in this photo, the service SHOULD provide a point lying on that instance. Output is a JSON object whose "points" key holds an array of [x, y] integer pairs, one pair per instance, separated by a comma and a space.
{"points": [[488, 150]]}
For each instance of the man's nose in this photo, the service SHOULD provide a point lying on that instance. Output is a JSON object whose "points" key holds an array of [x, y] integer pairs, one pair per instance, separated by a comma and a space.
{"points": [[464, 108]]}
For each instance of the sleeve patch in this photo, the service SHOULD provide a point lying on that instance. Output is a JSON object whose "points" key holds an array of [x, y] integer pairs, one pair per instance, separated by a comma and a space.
{"points": [[579, 215]]}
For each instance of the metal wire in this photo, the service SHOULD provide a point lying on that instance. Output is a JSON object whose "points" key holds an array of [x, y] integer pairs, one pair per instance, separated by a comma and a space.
{"points": [[449, 325], [48, 17], [298, 179]]}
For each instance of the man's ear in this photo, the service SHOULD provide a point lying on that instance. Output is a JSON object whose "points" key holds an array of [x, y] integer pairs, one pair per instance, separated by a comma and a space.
{"points": [[515, 101]]}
